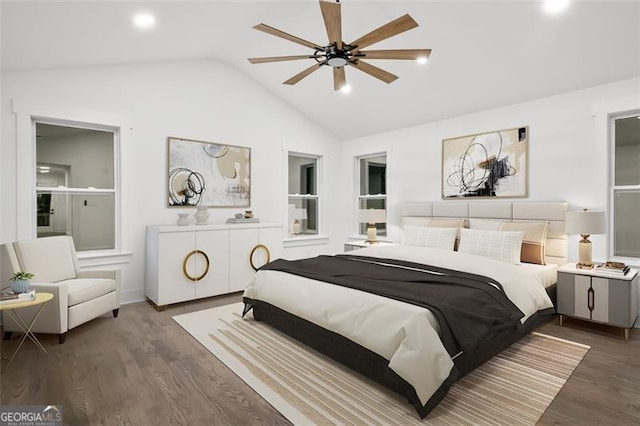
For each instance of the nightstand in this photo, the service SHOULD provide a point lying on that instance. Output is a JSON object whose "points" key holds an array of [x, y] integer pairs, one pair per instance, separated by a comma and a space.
{"points": [[354, 245], [598, 296]]}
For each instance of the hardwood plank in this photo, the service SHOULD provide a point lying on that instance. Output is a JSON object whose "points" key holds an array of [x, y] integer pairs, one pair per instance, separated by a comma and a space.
{"points": [[605, 388], [143, 368]]}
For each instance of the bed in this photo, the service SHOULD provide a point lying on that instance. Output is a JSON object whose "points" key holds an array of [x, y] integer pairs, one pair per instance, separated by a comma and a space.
{"points": [[407, 345]]}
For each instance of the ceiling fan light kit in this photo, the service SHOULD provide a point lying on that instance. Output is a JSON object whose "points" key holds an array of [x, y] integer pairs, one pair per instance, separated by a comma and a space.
{"points": [[338, 54]]}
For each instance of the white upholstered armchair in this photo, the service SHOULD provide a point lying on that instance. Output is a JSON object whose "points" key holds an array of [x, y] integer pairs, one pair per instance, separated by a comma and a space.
{"points": [[79, 296]]}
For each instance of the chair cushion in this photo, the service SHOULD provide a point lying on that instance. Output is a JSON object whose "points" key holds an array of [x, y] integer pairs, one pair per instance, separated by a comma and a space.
{"points": [[83, 289], [49, 259]]}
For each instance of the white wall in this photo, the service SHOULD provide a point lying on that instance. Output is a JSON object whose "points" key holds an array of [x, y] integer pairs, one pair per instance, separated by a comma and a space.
{"points": [[202, 100], [567, 153]]}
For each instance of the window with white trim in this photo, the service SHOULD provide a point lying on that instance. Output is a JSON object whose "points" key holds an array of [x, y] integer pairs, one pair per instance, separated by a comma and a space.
{"points": [[625, 186], [303, 195], [76, 183], [372, 187]]}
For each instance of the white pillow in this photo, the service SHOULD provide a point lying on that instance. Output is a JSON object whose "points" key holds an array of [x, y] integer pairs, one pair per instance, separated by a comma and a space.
{"points": [[440, 238], [499, 245]]}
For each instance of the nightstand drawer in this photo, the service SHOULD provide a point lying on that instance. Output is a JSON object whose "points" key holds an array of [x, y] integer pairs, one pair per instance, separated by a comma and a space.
{"points": [[591, 297], [600, 299]]}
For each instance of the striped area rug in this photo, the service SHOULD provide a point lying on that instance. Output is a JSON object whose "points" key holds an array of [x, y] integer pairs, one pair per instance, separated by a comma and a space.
{"points": [[514, 388]]}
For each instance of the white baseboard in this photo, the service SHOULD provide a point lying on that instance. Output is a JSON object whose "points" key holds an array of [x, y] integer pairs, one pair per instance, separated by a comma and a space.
{"points": [[132, 296]]}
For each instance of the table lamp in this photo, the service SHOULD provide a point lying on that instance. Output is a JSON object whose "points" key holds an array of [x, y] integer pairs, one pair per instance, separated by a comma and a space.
{"points": [[585, 223], [298, 216], [371, 217]]}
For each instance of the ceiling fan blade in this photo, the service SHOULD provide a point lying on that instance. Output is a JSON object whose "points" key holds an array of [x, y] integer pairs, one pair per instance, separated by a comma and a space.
{"points": [[395, 27], [296, 78], [332, 22], [278, 59], [374, 71], [394, 54], [276, 32], [339, 78]]}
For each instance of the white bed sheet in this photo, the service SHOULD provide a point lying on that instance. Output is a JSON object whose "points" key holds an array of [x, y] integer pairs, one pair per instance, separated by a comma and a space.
{"points": [[404, 334], [547, 275]]}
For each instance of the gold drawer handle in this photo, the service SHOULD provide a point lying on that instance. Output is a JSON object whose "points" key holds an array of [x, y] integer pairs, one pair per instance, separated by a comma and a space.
{"points": [[256, 248], [186, 259]]}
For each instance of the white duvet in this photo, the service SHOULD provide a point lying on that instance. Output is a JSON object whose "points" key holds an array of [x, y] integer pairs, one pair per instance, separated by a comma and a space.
{"points": [[404, 334]]}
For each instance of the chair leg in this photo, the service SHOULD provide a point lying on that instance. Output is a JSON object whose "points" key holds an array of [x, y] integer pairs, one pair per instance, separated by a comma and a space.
{"points": [[7, 335], [61, 338], [115, 312]]}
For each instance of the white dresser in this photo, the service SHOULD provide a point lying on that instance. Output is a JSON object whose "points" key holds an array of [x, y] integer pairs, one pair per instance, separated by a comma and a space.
{"points": [[191, 262]]}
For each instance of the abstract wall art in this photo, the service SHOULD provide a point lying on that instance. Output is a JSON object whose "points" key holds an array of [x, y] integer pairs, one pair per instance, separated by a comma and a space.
{"points": [[492, 164], [208, 174]]}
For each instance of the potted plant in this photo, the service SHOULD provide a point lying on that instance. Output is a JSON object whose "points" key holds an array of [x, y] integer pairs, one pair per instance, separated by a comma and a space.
{"points": [[20, 281]]}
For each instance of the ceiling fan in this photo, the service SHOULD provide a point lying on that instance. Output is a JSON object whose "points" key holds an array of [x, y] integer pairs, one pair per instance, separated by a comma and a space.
{"points": [[338, 54]]}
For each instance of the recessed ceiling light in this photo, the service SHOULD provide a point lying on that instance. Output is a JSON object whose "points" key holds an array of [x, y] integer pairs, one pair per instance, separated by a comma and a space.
{"points": [[345, 89], [422, 60], [555, 6], [144, 20]]}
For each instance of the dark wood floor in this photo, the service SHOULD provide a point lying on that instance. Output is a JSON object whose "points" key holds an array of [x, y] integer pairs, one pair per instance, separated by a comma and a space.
{"points": [[144, 369]]}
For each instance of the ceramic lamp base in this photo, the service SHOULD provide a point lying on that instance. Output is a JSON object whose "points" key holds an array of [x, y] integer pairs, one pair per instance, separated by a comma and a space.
{"points": [[372, 234], [296, 227], [584, 255]]}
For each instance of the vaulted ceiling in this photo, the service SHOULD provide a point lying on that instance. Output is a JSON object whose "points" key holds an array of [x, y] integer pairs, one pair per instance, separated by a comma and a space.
{"points": [[485, 54]]}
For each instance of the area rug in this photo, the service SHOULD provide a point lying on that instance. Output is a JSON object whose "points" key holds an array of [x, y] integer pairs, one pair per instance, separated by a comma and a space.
{"points": [[514, 388]]}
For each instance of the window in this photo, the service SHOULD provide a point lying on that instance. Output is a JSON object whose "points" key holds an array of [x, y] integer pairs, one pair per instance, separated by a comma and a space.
{"points": [[303, 198], [625, 188], [75, 185], [372, 176]]}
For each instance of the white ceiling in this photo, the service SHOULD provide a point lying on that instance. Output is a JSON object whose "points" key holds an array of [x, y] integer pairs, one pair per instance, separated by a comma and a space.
{"points": [[485, 54]]}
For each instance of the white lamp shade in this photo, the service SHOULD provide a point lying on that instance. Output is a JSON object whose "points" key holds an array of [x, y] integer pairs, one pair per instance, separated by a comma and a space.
{"points": [[299, 214], [372, 216], [585, 222]]}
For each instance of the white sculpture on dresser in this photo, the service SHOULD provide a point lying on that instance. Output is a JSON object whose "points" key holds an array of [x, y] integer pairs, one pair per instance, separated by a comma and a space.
{"points": [[202, 215], [183, 219]]}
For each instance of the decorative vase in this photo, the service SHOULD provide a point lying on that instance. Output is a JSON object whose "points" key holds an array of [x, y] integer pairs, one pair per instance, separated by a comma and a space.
{"points": [[20, 286], [183, 219], [248, 214], [202, 215]]}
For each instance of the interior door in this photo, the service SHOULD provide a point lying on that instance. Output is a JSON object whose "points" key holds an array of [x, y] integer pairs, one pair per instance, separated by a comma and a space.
{"points": [[52, 208]]}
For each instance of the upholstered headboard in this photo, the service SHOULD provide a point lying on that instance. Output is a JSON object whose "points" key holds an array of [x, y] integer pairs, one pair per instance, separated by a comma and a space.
{"points": [[482, 214]]}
